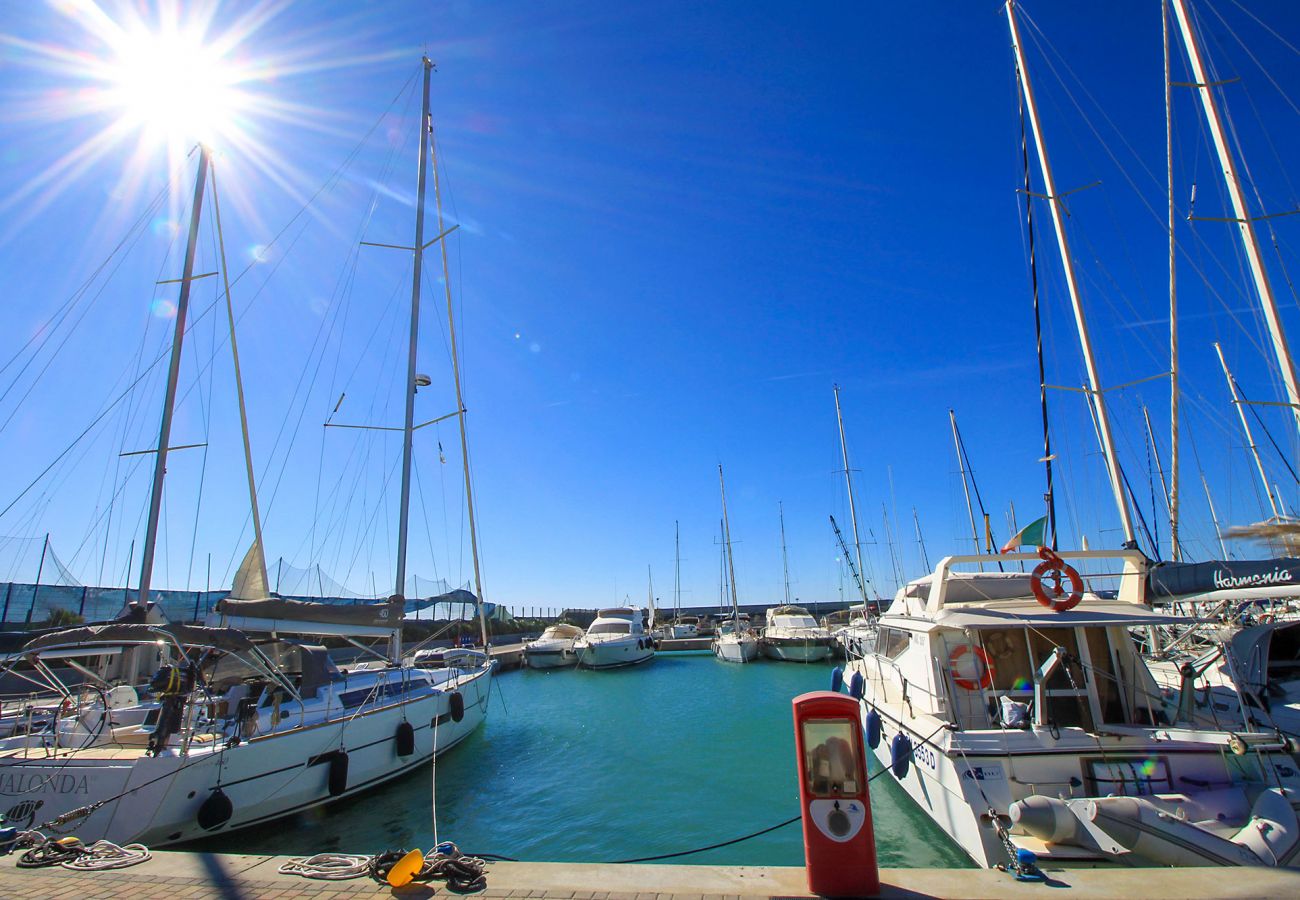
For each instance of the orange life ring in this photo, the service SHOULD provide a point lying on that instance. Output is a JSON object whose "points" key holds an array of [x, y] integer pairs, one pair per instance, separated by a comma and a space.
{"points": [[984, 682], [1057, 600]]}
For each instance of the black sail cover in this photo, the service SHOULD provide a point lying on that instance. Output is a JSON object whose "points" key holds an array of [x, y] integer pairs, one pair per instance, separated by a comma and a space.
{"points": [[1169, 580], [382, 615]]}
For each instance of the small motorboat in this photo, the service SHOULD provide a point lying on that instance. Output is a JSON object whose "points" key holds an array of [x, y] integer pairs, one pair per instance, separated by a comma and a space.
{"points": [[554, 649], [793, 635]]}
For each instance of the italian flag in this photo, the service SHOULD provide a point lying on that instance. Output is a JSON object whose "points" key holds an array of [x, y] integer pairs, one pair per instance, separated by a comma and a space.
{"points": [[1032, 534]]}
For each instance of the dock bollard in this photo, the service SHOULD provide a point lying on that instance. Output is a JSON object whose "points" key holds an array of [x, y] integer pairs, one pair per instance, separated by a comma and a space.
{"points": [[839, 844]]}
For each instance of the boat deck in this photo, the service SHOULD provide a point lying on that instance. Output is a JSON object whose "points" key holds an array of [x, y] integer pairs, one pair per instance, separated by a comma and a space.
{"points": [[104, 751], [176, 875]]}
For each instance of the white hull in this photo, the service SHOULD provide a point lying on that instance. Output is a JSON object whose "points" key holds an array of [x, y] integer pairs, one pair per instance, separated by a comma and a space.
{"points": [[731, 649], [613, 654], [265, 777], [797, 649], [550, 659], [956, 777]]}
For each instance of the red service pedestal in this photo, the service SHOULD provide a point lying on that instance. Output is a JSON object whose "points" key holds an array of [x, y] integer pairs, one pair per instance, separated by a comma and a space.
{"points": [[839, 845]]}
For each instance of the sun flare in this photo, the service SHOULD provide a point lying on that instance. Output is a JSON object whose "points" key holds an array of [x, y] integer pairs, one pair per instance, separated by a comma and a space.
{"points": [[173, 87]]}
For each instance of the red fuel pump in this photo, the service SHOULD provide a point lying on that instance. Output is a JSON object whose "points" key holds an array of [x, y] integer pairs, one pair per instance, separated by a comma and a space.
{"points": [[839, 844]]}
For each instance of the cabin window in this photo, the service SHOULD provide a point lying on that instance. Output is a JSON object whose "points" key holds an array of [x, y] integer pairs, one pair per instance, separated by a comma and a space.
{"points": [[610, 628], [892, 642]]}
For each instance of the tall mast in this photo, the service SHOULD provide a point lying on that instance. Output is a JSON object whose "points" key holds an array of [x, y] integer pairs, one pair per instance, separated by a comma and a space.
{"points": [[173, 375], [1245, 427], [785, 560], [848, 483], [1246, 228], [417, 267], [726, 539], [961, 467], [239, 390], [1067, 263], [1173, 295], [677, 570], [455, 369]]}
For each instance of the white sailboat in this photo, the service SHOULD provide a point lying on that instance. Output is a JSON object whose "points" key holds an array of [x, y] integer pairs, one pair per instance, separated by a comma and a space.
{"points": [[247, 725], [734, 641]]}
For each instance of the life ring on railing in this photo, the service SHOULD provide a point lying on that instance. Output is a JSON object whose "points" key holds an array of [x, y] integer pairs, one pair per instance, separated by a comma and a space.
{"points": [[1057, 600], [985, 680]]}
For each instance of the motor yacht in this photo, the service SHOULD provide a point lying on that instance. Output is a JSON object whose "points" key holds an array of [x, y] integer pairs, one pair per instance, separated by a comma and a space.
{"points": [[793, 635], [616, 638], [554, 649], [1015, 710]]}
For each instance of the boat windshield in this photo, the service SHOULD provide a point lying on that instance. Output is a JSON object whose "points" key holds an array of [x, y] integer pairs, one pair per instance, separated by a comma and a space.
{"points": [[610, 628]]}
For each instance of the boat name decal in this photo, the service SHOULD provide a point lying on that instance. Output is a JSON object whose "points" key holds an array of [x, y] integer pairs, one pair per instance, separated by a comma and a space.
{"points": [[45, 784], [983, 773], [925, 756], [1279, 575]]}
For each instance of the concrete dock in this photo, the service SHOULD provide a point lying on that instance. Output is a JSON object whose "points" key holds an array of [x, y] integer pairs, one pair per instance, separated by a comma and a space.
{"points": [[173, 875]]}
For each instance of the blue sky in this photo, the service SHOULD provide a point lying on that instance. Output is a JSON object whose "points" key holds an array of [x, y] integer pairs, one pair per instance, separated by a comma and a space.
{"points": [[681, 224]]}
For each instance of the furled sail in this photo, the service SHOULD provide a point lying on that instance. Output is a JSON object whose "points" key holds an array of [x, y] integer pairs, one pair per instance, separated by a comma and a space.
{"points": [[250, 579]]}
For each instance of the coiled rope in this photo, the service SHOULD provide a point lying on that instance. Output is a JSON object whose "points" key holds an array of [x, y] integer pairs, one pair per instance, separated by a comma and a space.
{"points": [[328, 866], [107, 855], [463, 873]]}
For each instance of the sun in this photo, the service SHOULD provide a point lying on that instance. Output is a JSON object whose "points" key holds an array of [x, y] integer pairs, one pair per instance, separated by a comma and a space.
{"points": [[173, 86]]}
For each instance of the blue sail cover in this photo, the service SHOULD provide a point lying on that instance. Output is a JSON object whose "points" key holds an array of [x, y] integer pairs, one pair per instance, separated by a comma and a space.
{"points": [[1170, 580]]}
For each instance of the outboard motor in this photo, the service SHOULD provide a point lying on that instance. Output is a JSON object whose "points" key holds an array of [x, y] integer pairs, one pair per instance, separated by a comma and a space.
{"points": [[172, 684]]}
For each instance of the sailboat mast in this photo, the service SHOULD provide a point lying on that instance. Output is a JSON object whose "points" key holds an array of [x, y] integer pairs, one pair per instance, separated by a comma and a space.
{"points": [[677, 570], [239, 389], [1173, 294], [1245, 226], [1245, 427], [417, 267], [1067, 263], [173, 376], [785, 560], [961, 467], [460, 396], [726, 539], [848, 483]]}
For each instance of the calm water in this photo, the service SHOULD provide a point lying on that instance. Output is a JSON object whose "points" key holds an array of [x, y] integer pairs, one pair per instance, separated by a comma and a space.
{"points": [[579, 766]]}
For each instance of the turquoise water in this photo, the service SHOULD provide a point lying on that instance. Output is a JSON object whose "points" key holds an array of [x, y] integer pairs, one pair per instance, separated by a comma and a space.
{"points": [[580, 766]]}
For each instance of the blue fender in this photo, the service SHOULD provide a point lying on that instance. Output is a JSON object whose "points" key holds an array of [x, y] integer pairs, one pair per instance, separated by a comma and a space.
{"points": [[873, 729], [857, 684], [900, 750], [837, 679]]}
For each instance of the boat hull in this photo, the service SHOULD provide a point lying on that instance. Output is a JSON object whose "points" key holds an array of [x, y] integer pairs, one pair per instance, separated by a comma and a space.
{"points": [[550, 658], [957, 788], [264, 778], [735, 651], [614, 654], [797, 649]]}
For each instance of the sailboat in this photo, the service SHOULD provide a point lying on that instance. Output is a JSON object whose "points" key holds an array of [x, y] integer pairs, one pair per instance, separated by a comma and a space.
{"points": [[247, 724], [734, 641]]}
